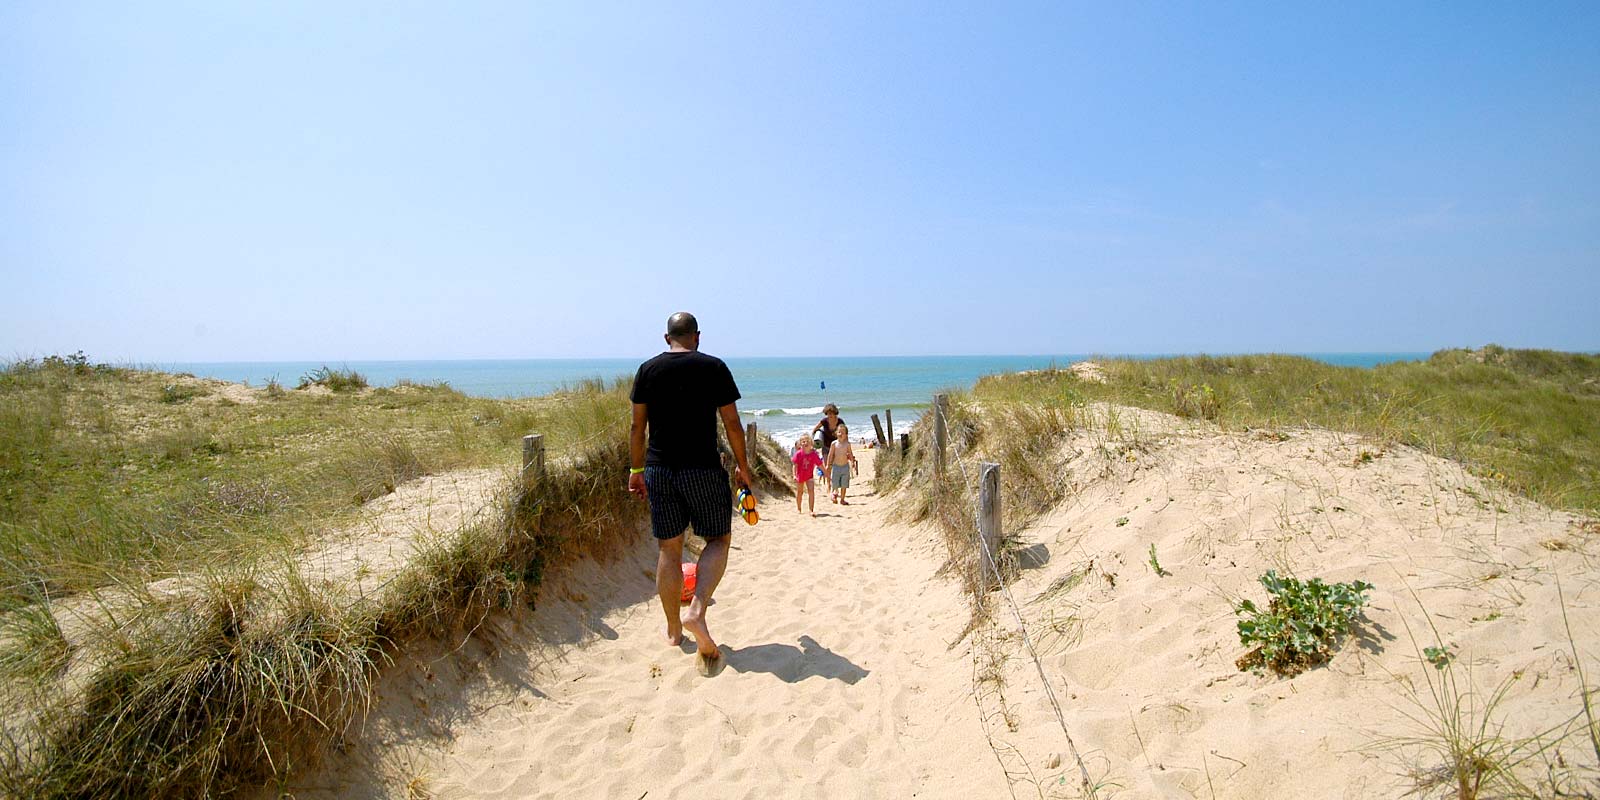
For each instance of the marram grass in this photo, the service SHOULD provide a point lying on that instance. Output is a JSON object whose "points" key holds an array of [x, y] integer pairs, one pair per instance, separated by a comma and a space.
{"points": [[112, 479]]}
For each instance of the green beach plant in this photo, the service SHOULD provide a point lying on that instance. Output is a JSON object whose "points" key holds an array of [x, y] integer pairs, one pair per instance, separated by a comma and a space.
{"points": [[1191, 400], [1438, 655], [1461, 743], [1155, 563], [1301, 625], [338, 380]]}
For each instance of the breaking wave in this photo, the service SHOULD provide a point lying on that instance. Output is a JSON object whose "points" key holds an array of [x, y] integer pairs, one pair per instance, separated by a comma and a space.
{"points": [[790, 412]]}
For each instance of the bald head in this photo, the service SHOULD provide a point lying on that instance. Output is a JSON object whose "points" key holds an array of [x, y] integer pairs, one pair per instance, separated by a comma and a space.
{"points": [[683, 329]]}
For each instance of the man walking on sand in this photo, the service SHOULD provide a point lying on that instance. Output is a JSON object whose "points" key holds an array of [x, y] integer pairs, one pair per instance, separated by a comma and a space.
{"points": [[678, 396]]}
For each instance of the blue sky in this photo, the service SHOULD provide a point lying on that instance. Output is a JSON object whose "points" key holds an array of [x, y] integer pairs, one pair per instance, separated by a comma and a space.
{"points": [[231, 181]]}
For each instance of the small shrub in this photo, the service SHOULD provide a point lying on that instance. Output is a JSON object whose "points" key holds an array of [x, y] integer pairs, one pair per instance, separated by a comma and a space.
{"points": [[244, 498], [1440, 656], [338, 380], [1300, 626], [275, 389], [1200, 401], [1155, 563], [179, 392], [77, 363]]}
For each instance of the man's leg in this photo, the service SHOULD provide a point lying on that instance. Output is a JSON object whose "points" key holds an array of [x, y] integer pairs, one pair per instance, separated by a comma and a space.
{"points": [[713, 561], [669, 583]]}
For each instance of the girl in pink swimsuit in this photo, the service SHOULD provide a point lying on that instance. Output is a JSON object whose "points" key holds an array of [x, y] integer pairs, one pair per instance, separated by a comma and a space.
{"points": [[806, 463]]}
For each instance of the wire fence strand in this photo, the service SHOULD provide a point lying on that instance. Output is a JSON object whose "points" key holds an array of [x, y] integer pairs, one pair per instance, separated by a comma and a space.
{"points": [[1005, 591]]}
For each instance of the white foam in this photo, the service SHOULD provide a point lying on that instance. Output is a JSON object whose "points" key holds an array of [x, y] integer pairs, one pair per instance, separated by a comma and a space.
{"points": [[791, 412]]}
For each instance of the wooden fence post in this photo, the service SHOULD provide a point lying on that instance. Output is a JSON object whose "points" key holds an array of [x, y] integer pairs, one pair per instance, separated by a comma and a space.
{"points": [[533, 458], [938, 434], [876, 427], [988, 518], [750, 450], [888, 424], [905, 443]]}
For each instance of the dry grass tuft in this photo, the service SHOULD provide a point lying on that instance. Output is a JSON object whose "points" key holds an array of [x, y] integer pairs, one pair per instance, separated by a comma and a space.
{"points": [[250, 674]]}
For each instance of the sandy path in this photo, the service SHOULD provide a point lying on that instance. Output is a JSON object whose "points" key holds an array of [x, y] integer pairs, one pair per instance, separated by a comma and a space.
{"points": [[837, 682]]}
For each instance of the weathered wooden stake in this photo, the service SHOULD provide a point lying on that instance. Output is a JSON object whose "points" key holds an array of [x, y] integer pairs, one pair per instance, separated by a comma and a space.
{"points": [[988, 518], [939, 401], [888, 424], [905, 443], [750, 449], [533, 458], [878, 428]]}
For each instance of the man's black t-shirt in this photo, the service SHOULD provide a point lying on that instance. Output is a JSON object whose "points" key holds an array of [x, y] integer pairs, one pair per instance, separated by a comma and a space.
{"points": [[682, 391]]}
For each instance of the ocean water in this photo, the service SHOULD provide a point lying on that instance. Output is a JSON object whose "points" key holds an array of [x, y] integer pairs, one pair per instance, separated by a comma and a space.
{"points": [[783, 396]]}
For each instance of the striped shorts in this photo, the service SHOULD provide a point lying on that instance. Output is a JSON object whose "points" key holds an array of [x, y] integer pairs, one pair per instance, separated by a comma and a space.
{"points": [[680, 496]]}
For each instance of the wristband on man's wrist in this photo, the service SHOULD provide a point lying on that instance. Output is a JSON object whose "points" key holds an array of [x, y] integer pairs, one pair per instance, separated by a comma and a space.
{"points": [[635, 470]]}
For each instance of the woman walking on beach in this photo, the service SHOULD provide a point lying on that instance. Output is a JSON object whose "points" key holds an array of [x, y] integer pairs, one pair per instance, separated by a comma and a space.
{"points": [[829, 426]]}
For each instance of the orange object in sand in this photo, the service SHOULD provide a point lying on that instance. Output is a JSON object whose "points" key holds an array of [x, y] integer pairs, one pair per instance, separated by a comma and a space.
{"points": [[690, 571], [747, 507]]}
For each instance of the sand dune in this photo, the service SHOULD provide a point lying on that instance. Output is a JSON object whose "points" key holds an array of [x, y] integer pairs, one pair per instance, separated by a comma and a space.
{"points": [[841, 679], [1145, 662], [838, 680]]}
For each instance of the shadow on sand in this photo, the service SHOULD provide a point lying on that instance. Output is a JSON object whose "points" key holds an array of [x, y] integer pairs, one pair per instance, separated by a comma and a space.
{"points": [[794, 664]]}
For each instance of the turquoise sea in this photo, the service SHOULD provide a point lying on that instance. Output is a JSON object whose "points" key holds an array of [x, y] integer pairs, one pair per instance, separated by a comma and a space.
{"points": [[783, 396]]}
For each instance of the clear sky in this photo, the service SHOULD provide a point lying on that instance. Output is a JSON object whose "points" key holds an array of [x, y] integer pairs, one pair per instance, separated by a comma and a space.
{"points": [[257, 181]]}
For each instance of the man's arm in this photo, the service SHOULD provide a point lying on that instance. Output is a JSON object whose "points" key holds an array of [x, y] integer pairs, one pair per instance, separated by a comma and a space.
{"points": [[636, 449], [730, 422]]}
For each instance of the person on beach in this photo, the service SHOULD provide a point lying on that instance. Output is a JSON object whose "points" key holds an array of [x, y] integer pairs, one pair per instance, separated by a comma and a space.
{"points": [[829, 427], [807, 463], [677, 398], [840, 459]]}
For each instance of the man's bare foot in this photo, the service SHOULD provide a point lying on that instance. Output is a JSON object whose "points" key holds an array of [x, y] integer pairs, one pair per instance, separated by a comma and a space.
{"points": [[706, 664], [695, 623], [674, 635], [813, 513], [844, 502]]}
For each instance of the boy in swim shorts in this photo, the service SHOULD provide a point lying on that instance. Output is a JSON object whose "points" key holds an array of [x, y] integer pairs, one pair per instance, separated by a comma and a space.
{"points": [[841, 457]]}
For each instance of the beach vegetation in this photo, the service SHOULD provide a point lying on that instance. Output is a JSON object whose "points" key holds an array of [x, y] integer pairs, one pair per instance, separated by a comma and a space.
{"points": [[179, 392], [1525, 419], [103, 482], [1301, 625], [1439, 655], [1464, 745], [338, 380], [1155, 564], [198, 658], [1191, 400]]}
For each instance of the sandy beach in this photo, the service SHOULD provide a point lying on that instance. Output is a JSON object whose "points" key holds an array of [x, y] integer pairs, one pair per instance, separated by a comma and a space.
{"points": [[838, 679], [846, 672]]}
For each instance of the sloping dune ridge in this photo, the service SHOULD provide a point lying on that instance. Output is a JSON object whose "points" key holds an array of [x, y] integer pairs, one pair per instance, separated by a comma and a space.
{"points": [[847, 672]]}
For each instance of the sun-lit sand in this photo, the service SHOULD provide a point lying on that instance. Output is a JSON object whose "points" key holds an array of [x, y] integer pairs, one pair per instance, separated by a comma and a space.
{"points": [[846, 673]]}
